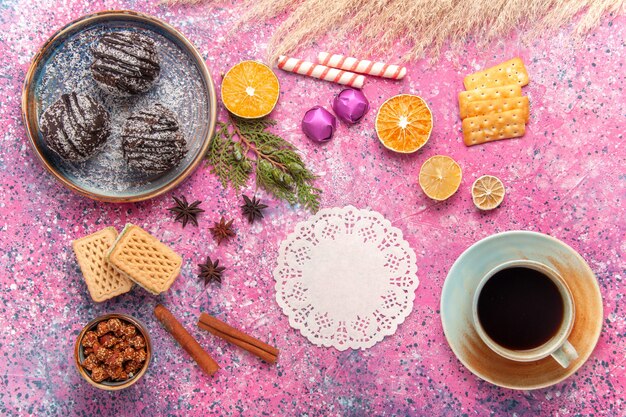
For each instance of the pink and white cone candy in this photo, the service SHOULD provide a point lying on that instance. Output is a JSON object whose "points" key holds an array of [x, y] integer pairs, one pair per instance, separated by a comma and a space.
{"points": [[362, 66], [322, 72]]}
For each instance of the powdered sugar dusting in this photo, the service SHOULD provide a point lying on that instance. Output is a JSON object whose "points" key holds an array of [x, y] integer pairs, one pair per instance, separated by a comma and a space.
{"points": [[180, 88]]}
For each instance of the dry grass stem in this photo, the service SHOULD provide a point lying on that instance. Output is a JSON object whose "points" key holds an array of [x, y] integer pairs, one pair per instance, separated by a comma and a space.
{"points": [[417, 27]]}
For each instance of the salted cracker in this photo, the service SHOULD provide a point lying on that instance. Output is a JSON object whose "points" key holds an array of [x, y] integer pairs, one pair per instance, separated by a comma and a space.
{"points": [[144, 259], [481, 94], [498, 105], [510, 72], [492, 127], [103, 281]]}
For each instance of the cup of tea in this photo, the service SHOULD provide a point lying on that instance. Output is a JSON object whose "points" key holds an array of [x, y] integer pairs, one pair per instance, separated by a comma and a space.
{"points": [[524, 311]]}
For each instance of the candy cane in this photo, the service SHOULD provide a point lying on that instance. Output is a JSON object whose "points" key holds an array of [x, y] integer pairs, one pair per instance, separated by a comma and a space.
{"points": [[363, 66], [322, 72]]}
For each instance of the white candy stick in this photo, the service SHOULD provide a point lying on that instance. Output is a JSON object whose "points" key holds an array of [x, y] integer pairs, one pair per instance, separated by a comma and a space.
{"points": [[322, 72], [362, 66]]}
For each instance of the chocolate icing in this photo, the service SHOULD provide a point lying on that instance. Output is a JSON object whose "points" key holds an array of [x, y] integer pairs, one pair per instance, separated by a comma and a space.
{"points": [[125, 63], [75, 127], [152, 140]]}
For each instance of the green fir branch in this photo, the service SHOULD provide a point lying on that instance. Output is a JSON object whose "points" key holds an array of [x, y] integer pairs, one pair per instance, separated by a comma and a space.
{"points": [[241, 146], [223, 157]]}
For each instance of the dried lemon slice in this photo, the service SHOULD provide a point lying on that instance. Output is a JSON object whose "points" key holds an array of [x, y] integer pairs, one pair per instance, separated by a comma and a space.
{"points": [[250, 90], [487, 192], [404, 123], [440, 177]]}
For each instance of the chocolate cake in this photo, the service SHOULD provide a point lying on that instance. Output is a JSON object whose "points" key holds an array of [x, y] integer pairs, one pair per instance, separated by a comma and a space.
{"points": [[152, 140], [75, 127], [125, 63]]}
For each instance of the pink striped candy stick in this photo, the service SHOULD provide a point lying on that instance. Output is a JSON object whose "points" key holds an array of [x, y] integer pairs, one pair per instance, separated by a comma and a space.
{"points": [[362, 66], [322, 72]]}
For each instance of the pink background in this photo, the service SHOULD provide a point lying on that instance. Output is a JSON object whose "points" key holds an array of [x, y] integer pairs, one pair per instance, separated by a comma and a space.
{"points": [[566, 178]]}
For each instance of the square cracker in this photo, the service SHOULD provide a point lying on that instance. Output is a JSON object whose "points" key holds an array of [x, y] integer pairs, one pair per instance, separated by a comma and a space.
{"points": [[103, 282], [492, 127], [510, 72], [144, 259], [481, 94], [499, 105]]}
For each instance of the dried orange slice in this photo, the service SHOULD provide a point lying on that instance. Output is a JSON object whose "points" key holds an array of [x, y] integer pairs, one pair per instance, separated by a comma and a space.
{"points": [[250, 90], [487, 192], [440, 177], [404, 123]]}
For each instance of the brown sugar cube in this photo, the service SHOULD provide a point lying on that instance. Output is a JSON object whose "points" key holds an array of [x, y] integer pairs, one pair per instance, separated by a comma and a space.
{"points": [[101, 352], [115, 325], [128, 331], [115, 359], [140, 356], [128, 354], [89, 339], [123, 375], [108, 340], [96, 347], [137, 342], [492, 127], [510, 72], [103, 281], [99, 374], [498, 105], [102, 328], [90, 362], [122, 345], [116, 372], [132, 367], [142, 258]]}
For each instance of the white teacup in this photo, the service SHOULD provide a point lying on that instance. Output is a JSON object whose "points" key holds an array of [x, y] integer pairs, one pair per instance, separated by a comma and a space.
{"points": [[557, 346]]}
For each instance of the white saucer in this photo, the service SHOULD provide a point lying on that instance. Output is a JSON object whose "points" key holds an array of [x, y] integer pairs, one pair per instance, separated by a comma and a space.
{"points": [[458, 292]]}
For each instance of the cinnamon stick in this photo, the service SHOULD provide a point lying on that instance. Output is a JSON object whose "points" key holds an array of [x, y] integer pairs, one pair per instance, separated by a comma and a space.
{"points": [[186, 340], [250, 344]]}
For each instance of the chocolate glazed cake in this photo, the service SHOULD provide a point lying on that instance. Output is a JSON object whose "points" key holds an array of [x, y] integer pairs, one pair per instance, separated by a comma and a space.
{"points": [[126, 63], [75, 127], [152, 140]]}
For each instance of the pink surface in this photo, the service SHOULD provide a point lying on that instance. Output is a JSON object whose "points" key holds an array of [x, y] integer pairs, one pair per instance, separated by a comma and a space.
{"points": [[566, 178]]}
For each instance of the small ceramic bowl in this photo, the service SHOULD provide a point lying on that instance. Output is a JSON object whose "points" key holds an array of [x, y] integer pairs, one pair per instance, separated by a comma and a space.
{"points": [[79, 356]]}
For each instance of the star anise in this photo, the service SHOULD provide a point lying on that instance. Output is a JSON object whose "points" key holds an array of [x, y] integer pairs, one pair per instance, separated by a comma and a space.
{"points": [[211, 271], [222, 230], [186, 212], [252, 208]]}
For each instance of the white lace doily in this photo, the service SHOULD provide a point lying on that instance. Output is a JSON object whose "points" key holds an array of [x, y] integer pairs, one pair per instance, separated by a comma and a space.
{"points": [[346, 278]]}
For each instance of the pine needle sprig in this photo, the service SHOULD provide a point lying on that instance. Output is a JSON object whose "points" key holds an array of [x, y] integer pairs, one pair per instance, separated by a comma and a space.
{"points": [[241, 146], [223, 159]]}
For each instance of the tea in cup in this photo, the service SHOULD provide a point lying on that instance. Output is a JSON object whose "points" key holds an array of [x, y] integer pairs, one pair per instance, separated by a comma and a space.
{"points": [[524, 311]]}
